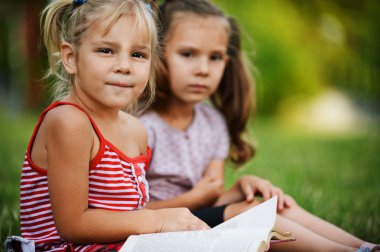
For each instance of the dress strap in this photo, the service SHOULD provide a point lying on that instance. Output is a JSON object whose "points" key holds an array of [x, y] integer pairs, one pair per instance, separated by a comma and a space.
{"points": [[54, 105], [59, 103]]}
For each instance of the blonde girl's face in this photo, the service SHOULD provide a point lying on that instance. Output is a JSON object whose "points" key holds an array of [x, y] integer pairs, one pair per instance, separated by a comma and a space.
{"points": [[196, 56], [111, 69]]}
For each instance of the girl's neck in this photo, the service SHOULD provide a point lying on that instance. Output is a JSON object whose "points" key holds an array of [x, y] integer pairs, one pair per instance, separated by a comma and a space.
{"points": [[94, 110], [179, 116]]}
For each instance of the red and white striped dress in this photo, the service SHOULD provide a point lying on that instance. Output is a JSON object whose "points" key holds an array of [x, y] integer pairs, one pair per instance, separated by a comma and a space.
{"points": [[116, 182]]}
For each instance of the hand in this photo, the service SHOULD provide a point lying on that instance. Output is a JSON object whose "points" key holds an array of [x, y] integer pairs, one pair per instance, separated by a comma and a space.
{"points": [[207, 190], [251, 185], [178, 219]]}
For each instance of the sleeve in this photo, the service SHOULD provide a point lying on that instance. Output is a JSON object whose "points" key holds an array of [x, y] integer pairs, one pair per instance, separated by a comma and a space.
{"points": [[151, 137], [148, 123], [222, 139]]}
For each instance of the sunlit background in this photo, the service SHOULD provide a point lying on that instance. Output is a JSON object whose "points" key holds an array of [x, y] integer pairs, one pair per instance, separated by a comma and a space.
{"points": [[317, 131]]}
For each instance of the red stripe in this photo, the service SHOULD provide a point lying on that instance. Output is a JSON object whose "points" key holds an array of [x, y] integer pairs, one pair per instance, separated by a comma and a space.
{"points": [[36, 230], [36, 216], [119, 181], [32, 227], [110, 177], [112, 188], [112, 206]]}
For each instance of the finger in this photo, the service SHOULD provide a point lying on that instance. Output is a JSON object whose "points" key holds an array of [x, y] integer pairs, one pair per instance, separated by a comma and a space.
{"points": [[198, 225], [280, 198], [265, 191], [248, 191], [288, 201], [204, 226]]}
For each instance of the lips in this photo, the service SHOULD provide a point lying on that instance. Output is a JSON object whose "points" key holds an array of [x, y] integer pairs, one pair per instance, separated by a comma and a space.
{"points": [[198, 87], [120, 84]]}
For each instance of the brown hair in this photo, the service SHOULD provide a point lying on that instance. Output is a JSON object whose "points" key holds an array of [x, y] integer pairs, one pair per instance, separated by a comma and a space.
{"points": [[234, 96], [64, 21]]}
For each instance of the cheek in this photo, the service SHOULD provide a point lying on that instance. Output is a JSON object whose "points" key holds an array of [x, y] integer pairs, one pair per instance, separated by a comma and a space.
{"points": [[179, 72], [219, 71], [144, 71], [176, 63], [176, 77]]}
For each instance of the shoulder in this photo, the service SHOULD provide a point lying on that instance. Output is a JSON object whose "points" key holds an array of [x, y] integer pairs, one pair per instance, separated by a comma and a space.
{"points": [[154, 126], [209, 113], [67, 126], [150, 120], [67, 118], [148, 117]]}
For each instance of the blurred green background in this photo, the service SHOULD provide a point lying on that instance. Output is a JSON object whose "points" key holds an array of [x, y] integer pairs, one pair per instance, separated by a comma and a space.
{"points": [[317, 129]]}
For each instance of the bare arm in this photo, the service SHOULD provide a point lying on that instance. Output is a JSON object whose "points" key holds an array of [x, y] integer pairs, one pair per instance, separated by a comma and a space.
{"points": [[247, 187], [69, 144], [204, 193]]}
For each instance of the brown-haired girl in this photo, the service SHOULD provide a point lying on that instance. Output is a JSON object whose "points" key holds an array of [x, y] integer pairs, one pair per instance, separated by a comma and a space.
{"points": [[202, 63]]}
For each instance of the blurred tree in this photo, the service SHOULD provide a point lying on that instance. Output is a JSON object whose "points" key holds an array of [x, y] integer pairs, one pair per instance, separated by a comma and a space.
{"points": [[20, 64], [302, 47], [31, 31], [299, 48]]}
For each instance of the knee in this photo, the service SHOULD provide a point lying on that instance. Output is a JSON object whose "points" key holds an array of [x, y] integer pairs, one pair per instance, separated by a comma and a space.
{"points": [[290, 201], [237, 208], [291, 205]]}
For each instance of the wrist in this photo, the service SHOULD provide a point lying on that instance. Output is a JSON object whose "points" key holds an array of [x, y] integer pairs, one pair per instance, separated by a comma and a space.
{"points": [[191, 199], [159, 216]]}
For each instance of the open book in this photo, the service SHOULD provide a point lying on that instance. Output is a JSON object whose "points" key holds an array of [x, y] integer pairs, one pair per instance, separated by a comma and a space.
{"points": [[250, 231]]}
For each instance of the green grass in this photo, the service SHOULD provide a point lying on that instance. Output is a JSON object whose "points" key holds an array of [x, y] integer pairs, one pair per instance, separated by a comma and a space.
{"points": [[334, 177], [14, 135]]}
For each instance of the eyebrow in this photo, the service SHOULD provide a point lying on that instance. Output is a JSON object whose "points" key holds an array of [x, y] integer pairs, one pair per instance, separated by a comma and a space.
{"points": [[185, 46], [141, 46]]}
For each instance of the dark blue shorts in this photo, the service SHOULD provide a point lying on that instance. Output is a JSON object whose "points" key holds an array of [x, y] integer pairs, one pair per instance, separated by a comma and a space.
{"points": [[213, 216]]}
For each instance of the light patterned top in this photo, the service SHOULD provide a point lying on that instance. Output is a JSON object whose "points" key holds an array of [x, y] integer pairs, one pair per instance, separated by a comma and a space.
{"points": [[179, 158], [116, 182]]}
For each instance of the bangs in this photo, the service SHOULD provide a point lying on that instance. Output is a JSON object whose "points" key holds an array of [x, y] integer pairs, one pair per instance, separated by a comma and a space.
{"points": [[144, 21]]}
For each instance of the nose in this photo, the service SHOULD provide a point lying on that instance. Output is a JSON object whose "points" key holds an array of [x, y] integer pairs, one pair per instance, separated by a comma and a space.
{"points": [[203, 68], [123, 64]]}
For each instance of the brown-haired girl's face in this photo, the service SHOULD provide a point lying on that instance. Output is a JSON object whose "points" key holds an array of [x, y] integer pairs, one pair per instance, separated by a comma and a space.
{"points": [[196, 56]]}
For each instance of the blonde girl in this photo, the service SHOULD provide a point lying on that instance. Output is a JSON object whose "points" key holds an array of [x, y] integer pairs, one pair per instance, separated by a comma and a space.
{"points": [[84, 172], [202, 63]]}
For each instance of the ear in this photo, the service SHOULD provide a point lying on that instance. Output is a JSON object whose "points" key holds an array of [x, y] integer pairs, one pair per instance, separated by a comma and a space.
{"points": [[68, 58]]}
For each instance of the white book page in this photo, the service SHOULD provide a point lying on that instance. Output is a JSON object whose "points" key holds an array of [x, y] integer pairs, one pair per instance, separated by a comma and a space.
{"points": [[243, 240], [244, 232], [261, 216]]}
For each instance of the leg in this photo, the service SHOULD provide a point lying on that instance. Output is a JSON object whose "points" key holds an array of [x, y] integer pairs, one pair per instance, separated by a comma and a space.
{"points": [[318, 225], [307, 240]]}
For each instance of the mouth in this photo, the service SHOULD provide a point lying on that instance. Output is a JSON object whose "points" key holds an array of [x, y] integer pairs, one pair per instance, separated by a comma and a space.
{"points": [[120, 84], [198, 87]]}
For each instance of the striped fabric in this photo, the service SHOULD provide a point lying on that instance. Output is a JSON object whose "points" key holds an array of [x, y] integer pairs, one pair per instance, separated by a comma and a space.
{"points": [[116, 182]]}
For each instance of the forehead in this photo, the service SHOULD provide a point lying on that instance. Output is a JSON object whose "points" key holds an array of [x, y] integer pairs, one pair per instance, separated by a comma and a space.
{"points": [[198, 30], [127, 26]]}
